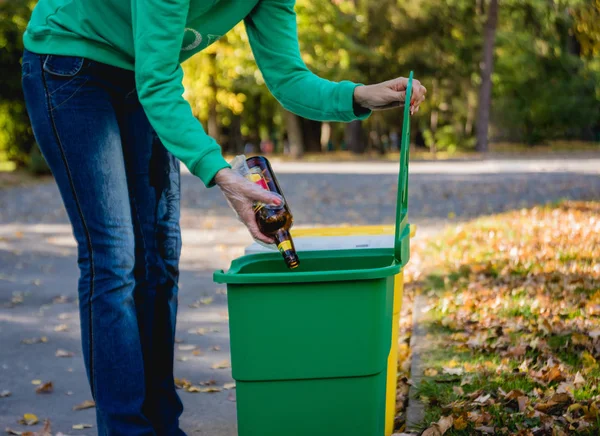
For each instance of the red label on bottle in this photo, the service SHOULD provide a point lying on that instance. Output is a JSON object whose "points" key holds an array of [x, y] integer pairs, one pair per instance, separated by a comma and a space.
{"points": [[259, 180]]}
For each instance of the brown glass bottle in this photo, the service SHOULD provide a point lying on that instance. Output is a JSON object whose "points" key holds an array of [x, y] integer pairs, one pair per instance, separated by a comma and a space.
{"points": [[275, 222]]}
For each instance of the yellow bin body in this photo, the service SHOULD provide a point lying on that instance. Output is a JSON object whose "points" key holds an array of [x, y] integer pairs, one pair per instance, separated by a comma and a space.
{"points": [[392, 372]]}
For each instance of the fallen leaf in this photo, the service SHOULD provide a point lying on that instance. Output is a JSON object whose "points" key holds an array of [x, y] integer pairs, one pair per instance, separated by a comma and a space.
{"points": [[46, 431], [554, 375], [209, 389], [430, 372], [181, 383], [523, 402], [36, 382], [486, 429], [81, 426], [199, 331], [61, 328], [458, 390], [64, 316], [460, 423], [87, 404], [482, 399], [216, 348], [46, 388], [182, 358], [579, 380], [4, 394], [209, 383], [29, 419], [64, 353], [60, 299], [9, 430], [588, 360], [30, 341], [453, 371], [197, 353], [565, 387], [221, 365], [555, 404], [594, 334], [440, 427], [514, 394], [186, 347], [228, 386], [518, 351]]}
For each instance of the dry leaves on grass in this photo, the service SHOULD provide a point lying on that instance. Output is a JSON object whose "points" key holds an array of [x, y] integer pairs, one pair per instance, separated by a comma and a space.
{"points": [[517, 298], [440, 427]]}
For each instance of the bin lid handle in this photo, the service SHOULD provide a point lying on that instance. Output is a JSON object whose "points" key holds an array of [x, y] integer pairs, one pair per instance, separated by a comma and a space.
{"points": [[402, 232]]}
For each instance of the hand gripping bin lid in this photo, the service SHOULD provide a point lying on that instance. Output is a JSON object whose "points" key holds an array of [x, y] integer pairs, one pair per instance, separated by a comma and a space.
{"points": [[309, 347]]}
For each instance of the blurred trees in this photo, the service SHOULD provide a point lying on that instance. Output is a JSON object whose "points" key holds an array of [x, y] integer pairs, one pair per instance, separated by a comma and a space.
{"points": [[545, 83], [16, 137]]}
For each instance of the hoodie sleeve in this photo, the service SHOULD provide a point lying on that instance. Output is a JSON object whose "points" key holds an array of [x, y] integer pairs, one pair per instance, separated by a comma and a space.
{"points": [[158, 30], [273, 35]]}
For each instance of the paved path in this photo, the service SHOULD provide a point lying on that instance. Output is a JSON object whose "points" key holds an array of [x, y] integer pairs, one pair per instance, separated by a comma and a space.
{"points": [[38, 265]]}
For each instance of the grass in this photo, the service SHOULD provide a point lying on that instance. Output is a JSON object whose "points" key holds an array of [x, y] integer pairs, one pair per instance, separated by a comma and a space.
{"points": [[513, 322]]}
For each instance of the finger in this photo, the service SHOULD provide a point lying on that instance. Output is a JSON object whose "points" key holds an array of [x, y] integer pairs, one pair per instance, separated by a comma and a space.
{"points": [[400, 96], [257, 234], [398, 84], [257, 193], [418, 93], [249, 219]]}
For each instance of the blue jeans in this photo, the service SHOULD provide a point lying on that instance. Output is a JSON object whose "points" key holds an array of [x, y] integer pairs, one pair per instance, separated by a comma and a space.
{"points": [[120, 187]]}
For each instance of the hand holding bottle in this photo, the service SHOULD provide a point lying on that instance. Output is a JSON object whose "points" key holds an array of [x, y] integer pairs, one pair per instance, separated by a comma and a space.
{"points": [[241, 194]]}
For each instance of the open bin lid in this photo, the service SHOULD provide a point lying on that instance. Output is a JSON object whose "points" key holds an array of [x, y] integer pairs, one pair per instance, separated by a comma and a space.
{"points": [[317, 265]]}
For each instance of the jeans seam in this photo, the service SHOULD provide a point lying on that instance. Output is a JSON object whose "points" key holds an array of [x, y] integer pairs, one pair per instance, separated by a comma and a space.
{"points": [[70, 97], [86, 231]]}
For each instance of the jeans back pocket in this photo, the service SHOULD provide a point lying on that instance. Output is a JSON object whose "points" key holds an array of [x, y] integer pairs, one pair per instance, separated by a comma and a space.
{"points": [[64, 66]]}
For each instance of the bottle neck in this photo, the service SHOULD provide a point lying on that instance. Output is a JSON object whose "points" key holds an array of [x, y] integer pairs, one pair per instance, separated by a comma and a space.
{"points": [[281, 236], [286, 247]]}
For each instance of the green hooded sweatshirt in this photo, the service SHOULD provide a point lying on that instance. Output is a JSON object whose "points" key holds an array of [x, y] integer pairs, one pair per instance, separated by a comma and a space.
{"points": [[153, 37]]}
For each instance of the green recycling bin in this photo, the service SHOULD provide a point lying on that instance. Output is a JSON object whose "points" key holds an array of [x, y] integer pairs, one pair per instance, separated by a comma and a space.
{"points": [[310, 347]]}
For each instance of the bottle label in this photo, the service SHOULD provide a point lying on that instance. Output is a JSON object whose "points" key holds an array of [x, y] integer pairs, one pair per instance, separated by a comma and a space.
{"points": [[285, 246], [259, 180]]}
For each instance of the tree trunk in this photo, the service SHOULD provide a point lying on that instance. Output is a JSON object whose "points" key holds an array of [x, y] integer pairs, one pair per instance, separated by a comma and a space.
{"points": [[487, 67], [294, 131], [235, 136], [355, 137], [312, 135], [213, 122]]}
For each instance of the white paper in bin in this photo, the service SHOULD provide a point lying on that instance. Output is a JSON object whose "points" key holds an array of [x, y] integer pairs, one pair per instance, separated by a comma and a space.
{"points": [[318, 243]]}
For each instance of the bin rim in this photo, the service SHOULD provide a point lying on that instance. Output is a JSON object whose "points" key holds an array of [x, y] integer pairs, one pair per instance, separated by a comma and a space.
{"points": [[233, 276]]}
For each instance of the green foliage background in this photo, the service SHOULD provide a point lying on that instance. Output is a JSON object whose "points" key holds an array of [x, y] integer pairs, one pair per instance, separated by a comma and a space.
{"points": [[546, 77]]}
